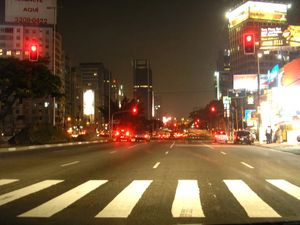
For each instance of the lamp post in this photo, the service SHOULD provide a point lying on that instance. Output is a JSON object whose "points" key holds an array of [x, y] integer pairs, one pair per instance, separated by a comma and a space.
{"points": [[109, 86], [259, 55], [54, 54]]}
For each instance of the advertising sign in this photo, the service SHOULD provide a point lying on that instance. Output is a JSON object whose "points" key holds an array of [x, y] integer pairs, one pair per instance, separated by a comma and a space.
{"points": [[249, 81], [292, 36], [268, 11], [30, 12], [258, 10], [249, 118], [89, 102], [276, 37]]}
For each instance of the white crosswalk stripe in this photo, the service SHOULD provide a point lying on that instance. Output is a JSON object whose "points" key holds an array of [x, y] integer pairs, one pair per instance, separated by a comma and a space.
{"points": [[187, 200], [249, 200], [59, 203], [7, 181], [286, 186], [11, 196], [122, 205]]}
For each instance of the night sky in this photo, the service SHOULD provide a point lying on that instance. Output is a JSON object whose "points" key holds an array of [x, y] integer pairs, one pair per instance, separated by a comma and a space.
{"points": [[180, 37]]}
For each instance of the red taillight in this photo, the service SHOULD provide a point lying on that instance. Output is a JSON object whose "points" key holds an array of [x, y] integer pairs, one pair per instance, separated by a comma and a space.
{"points": [[117, 133], [127, 133]]}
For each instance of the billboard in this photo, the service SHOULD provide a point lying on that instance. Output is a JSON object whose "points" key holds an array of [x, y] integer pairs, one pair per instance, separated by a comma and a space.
{"points": [[249, 82], [89, 102], [276, 37], [30, 12], [258, 10]]}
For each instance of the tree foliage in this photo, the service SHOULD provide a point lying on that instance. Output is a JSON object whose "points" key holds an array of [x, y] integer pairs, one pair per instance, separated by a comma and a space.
{"points": [[23, 80]]}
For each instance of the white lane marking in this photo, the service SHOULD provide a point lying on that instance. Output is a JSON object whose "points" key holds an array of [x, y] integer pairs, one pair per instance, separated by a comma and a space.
{"points": [[112, 152], [208, 146], [7, 181], [166, 152], [223, 153], [122, 205], [172, 145], [132, 146], [286, 186], [249, 200], [59, 203], [68, 164], [156, 165], [187, 200], [11, 196], [247, 165], [12, 149]]}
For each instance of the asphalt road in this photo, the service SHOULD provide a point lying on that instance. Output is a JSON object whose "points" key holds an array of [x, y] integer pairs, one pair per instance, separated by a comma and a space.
{"points": [[164, 182]]}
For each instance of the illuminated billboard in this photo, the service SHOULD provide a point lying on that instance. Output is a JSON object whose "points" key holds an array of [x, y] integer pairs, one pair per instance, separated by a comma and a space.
{"points": [[276, 37], [30, 12], [89, 102], [249, 82], [292, 36], [258, 10]]}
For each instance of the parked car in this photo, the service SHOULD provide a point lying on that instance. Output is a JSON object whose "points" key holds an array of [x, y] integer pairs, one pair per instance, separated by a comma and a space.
{"points": [[221, 136], [243, 137]]}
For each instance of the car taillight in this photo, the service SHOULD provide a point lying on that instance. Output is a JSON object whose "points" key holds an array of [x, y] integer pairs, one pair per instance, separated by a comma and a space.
{"points": [[145, 136], [127, 133], [117, 133]]}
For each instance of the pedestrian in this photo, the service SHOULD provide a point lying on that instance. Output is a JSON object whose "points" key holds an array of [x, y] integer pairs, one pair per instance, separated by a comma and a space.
{"points": [[269, 134]]}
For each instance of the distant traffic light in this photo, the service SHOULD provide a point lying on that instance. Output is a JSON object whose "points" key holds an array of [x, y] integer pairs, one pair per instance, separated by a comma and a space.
{"points": [[249, 44], [33, 53], [212, 109], [134, 110]]}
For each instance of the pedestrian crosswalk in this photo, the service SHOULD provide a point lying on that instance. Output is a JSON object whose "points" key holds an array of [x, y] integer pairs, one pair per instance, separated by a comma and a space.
{"points": [[187, 197]]}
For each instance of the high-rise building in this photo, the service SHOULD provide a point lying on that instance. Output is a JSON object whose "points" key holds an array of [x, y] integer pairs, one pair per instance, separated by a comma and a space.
{"points": [[142, 86], [223, 78], [73, 93], [250, 17], [95, 80]]}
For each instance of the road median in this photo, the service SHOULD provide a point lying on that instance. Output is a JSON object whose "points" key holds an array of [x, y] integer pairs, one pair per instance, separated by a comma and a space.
{"points": [[47, 146]]}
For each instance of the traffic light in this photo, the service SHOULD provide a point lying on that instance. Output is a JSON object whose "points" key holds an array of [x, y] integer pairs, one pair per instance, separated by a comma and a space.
{"points": [[33, 53], [212, 109], [134, 110], [249, 44]]}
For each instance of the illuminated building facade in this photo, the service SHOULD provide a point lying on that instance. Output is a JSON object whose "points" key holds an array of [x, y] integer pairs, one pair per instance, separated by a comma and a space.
{"points": [[222, 77], [252, 17], [142, 86], [92, 86]]}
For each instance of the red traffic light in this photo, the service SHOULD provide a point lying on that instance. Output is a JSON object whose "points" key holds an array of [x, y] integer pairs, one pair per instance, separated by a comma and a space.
{"points": [[249, 44], [134, 110], [33, 53], [212, 109]]}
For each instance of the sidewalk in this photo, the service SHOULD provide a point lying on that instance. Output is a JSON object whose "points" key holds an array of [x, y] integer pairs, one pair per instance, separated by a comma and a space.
{"points": [[284, 147], [46, 146]]}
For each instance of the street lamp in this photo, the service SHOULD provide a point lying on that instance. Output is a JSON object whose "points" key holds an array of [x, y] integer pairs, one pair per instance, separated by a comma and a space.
{"points": [[54, 47], [259, 55]]}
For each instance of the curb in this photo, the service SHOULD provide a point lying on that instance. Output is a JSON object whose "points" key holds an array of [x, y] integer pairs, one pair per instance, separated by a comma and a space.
{"points": [[47, 146]]}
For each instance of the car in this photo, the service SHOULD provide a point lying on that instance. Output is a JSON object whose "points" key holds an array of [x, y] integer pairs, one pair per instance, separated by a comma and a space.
{"points": [[141, 136], [221, 136], [243, 137], [122, 134]]}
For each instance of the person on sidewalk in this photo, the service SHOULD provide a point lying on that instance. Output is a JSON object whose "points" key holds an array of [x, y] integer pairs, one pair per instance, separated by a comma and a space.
{"points": [[269, 134]]}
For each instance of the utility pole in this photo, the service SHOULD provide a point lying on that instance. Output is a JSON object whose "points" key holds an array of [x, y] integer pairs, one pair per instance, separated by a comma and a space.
{"points": [[54, 53]]}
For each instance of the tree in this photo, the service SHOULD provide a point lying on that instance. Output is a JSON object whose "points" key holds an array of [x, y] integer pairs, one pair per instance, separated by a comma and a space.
{"points": [[24, 80]]}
